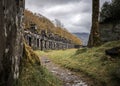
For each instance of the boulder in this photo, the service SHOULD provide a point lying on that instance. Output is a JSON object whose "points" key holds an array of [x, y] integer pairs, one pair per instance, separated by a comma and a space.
{"points": [[113, 52]]}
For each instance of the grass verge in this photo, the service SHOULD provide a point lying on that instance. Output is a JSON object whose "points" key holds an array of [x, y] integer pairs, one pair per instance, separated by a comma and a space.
{"points": [[92, 62], [32, 73]]}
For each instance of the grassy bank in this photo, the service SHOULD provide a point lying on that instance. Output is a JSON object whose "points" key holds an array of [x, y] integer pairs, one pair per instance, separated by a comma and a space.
{"points": [[92, 62], [32, 73]]}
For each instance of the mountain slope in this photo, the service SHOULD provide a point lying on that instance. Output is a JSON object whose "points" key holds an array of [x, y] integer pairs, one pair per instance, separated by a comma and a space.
{"points": [[83, 36], [45, 24]]}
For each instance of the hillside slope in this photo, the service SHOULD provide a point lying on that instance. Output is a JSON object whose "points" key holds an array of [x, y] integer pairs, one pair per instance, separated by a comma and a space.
{"points": [[92, 62], [45, 24]]}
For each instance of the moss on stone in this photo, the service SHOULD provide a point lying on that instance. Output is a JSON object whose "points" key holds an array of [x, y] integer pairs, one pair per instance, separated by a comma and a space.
{"points": [[32, 73]]}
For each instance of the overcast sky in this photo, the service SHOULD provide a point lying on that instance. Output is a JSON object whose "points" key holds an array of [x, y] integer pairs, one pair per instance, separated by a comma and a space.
{"points": [[74, 14]]}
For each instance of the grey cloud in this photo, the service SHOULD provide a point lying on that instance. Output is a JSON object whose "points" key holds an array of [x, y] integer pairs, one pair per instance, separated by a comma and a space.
{"points": [[74, 14], [43, 3]]}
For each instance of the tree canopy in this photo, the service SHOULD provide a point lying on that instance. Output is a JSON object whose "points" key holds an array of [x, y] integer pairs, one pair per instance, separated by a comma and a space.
{"points": [[110, 11]]}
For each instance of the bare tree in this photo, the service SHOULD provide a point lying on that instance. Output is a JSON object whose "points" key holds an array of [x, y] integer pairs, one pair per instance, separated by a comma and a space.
{"points": [[58, 23]]}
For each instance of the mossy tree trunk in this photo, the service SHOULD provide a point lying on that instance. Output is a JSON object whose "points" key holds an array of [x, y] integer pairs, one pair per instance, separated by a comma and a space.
{"points": [[94, 39], [11, 40]]}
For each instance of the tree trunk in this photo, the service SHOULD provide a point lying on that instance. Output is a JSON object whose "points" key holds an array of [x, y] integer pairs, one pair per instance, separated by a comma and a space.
{"points": [[11, 43], [94, 39]]}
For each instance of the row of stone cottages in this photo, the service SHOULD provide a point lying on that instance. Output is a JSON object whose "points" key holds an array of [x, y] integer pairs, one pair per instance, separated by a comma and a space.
{"points": [[46, 41]]}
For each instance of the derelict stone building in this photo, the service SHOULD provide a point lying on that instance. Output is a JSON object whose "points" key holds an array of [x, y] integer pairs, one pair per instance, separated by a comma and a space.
{"points": [[45, 41]]}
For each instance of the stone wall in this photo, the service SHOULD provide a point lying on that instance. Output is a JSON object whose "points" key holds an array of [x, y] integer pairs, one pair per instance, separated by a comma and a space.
{"points": [[46, 41], [11, 14], [109, 32]]}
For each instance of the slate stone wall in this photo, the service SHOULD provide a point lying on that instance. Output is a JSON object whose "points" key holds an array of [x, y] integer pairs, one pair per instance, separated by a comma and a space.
{"points": [[110, 32], [11, 16], [45, 41]]}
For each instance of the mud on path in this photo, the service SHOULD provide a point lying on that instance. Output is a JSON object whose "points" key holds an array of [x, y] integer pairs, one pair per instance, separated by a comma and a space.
{"points": [[66, 76]]}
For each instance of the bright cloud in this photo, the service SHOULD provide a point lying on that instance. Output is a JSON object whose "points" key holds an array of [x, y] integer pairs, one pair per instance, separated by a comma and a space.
{"points": [[74, 14]]}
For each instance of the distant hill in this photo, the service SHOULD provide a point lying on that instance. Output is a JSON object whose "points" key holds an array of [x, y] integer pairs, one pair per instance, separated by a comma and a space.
{"points": [[83, 36], [44, 23]]}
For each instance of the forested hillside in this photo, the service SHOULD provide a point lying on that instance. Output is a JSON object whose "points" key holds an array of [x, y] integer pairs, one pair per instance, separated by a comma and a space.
{"points": [[45, 24]]}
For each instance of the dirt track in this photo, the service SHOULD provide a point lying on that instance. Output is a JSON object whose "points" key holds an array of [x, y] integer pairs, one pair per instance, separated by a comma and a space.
{"points": [[66, 76]]}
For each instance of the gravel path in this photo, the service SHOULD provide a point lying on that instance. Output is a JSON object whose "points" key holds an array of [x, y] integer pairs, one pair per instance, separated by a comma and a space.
{"points": [[69, 78]]}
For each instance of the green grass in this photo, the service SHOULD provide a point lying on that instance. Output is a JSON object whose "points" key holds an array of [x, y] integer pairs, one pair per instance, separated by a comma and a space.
{"points": [[35, 75], [92, 62], [32, 73]]}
